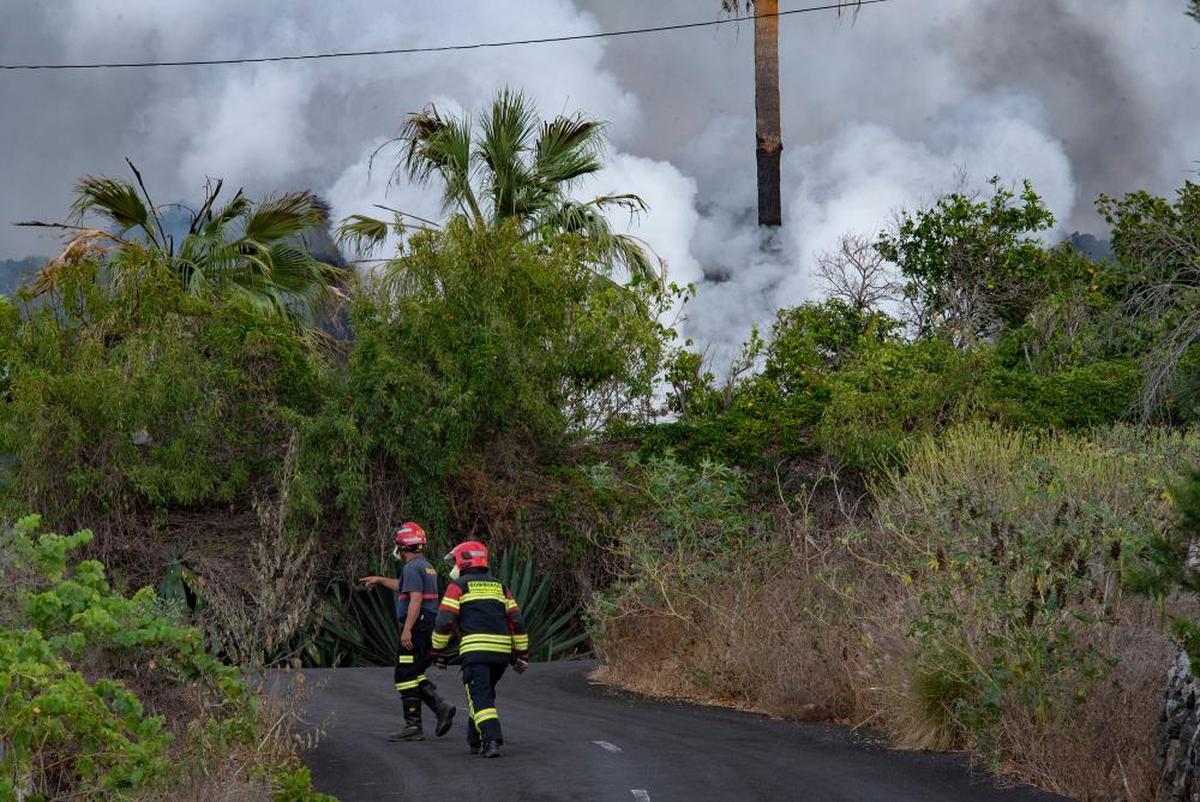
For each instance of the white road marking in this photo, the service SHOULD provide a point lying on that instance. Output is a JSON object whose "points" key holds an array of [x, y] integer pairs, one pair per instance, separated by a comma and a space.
{"points": [[609, 746], [640, 795]]}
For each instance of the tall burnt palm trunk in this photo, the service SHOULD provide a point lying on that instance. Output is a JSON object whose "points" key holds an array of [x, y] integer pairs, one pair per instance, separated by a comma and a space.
{"points": [[768, 133]]}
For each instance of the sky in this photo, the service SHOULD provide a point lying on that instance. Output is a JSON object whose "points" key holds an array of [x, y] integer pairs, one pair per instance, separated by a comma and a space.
{"points": [[883, 110]]}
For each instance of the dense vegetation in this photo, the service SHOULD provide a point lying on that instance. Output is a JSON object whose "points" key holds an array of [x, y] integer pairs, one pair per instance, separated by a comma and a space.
{"points": [[929, 492], [112, 697]]}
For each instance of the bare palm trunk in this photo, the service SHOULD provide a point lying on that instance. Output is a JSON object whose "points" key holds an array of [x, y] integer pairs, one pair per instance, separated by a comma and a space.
{"points": [[768, 132]]}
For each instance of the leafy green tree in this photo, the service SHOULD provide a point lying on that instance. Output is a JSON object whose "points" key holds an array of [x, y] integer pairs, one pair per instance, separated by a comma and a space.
{"points": [[972, 267], [478, 335], [68, 735], [506, 165], [105, 696], [1077, 320], [1159, 243], [255, 252], [777, 390], [1194, 10], [139, 397], [812, 341]]}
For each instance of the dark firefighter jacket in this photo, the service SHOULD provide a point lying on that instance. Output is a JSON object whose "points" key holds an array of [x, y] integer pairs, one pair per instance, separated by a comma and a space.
{"points": [[486, 617]]}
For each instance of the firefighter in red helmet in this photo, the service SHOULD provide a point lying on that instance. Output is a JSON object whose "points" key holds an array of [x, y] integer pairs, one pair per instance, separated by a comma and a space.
{"points": [[416, 610], [492, 637]]}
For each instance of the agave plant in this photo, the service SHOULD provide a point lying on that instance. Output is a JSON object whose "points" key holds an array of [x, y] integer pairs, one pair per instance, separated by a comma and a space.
{"points": [[353, 627], [553, 632], [358, 627]]}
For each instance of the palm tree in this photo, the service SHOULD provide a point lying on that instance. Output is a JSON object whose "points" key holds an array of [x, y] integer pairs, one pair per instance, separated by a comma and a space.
{"points": [[508, 166], [253, 251], [768, 129]]}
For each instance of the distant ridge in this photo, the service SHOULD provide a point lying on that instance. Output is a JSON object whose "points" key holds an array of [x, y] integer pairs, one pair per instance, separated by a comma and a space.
{"points": [[14, 272], [1089, 245]]}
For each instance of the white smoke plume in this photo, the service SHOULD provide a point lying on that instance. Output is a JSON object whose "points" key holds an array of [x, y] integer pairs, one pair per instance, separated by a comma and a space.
{"points": [[882, 110]]}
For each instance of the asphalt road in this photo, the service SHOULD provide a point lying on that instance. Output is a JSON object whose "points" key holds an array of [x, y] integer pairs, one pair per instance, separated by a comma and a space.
{"points": [[566, 738]]}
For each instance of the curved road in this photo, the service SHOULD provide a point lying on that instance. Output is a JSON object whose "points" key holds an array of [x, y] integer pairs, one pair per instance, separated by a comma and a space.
{"points": [[566, 738]]}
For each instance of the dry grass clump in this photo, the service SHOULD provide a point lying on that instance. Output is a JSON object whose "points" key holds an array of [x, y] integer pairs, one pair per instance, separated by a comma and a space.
{"points": [[1102, 744], [246, 771], [252, 615], [746, 639]]}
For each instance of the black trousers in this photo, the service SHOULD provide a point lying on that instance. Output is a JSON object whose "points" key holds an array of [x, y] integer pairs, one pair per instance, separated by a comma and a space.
{"points": [[480, 679], [411, 664]]}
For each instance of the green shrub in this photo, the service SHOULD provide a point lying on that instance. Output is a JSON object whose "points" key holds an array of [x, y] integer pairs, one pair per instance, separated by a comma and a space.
{"points": [[899, 391], [1013, 545], [141, 397], [73, 654], [762, 418], [471, 337], [295, 785], [1078, 397], [1165, 564], [669, 527], [895, 392]]}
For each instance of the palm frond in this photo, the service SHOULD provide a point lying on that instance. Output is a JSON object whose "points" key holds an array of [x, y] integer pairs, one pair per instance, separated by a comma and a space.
{"points": [[523, 169], [441, 146], [296, 272], [638, 258], [364, 233], [238, 206], [506, 132], [628, 201], [285, 215], [569, 148], [115, 200], [608, 248]]}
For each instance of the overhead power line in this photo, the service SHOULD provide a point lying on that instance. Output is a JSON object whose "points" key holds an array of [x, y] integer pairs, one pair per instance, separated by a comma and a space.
{"points": [[397, 51]]}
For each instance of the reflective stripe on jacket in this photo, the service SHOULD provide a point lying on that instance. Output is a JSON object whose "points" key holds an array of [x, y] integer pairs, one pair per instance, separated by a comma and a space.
{"points": [[485, 615]]}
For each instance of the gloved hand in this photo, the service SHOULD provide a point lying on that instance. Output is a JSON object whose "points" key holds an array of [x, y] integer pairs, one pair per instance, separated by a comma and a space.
{"points": [[520, 663]]}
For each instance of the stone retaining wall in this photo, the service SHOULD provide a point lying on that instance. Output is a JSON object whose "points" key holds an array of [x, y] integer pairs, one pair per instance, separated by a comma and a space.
{"points": [[1179, 735]]}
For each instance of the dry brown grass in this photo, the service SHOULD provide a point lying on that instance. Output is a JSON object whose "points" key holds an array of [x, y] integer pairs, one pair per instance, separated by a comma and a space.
{"points": [[1103, 746], [851, 671], [824, 631], [745, 642], [207, 772]]}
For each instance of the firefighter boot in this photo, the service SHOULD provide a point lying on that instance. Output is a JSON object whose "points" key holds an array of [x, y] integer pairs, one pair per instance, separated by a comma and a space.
{"points": [[491, 749], [412, 723], [441, 708]]}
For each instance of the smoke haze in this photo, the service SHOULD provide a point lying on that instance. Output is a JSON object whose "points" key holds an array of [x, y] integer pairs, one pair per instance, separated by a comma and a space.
{"points": [[882, 110]]}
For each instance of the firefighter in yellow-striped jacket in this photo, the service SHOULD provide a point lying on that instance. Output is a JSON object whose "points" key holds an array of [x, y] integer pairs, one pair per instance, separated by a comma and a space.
{"points": [[492, 637]]}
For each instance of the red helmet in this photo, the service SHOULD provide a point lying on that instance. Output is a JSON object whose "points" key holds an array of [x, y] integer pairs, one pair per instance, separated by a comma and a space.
{"points": [[410, 536], [471, 554]]}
